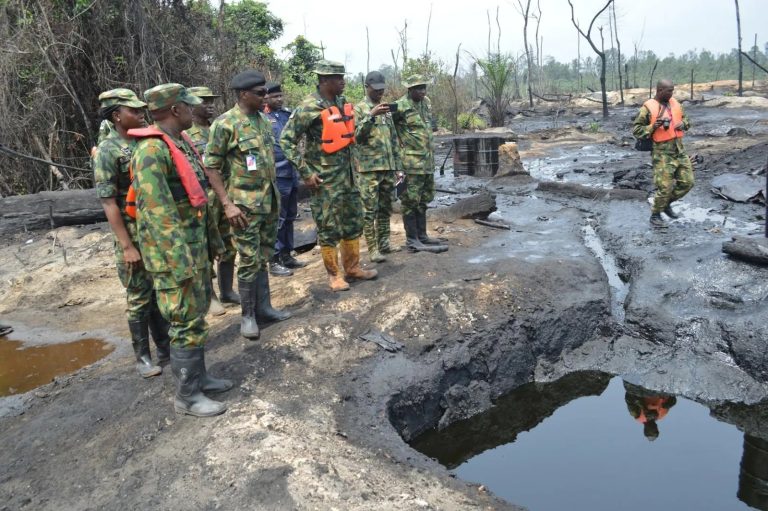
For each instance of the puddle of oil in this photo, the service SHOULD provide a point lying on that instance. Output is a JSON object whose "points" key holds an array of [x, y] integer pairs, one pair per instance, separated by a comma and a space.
{"points": [[590, 441], [22, 369]]}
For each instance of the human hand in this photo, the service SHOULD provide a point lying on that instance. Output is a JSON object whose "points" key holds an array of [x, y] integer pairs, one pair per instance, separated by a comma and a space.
{"points": [[382, 108], [313, 181], [132, 257], [235, 217]]}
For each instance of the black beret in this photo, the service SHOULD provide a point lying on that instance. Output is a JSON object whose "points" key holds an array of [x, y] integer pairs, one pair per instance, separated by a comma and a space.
{"points": [[273, 87], [247, 80]]}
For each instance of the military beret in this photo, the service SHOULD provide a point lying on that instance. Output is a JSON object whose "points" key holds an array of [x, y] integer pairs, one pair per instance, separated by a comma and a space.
{"points": [[375, 80], [273, 87], [168, 94], [415, 81], [247, 80], [329, 67], [120, 97], [202, 92]]}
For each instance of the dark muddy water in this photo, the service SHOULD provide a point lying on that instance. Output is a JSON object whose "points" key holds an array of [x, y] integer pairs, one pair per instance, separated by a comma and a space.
{"points": [[592, 441], [24, 368]]}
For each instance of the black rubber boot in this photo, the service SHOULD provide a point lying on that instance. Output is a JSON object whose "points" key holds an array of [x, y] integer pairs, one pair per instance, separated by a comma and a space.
{"points": [[226, 275], [657, 221], [412, 241], [140, 339], [248, 327], [422, 230], [671, 212], [264, 310], [188, 366], [159, 327], [213, 385]]}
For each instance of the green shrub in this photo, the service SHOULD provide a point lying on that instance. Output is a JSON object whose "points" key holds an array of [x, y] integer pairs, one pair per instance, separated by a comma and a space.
{"points": [[471, 121]]}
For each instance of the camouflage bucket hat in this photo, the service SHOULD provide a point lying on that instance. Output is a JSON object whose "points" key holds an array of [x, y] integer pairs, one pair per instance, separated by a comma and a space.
{"points": [[415, 81], [329, 67], [168, 94], [202, 92], [120, 97]]}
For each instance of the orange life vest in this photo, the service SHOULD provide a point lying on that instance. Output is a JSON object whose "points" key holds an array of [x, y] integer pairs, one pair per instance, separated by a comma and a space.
{"points": [[673, 112], [338, 128], [655, 404], [192, 186]]}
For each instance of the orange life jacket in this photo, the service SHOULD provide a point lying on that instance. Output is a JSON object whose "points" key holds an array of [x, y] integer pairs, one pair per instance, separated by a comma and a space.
{"points": [[675, 115], [192, 187], [655, 404], [338, 128]]}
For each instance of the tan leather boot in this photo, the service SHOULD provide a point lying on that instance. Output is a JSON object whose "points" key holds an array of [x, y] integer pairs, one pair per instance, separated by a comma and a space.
{"points": [[350, 257], [331, 261]]}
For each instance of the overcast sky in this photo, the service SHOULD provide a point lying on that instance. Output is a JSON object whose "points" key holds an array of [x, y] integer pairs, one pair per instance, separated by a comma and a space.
{"points": [[664, 26]]}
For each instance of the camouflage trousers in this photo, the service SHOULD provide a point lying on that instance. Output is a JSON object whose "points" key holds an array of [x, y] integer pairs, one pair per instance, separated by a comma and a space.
{"points": [[419, 191], [184, 305], [376, 194], [337, 210], [136, 280], [673, 178], [216, 210], [256, 243]]}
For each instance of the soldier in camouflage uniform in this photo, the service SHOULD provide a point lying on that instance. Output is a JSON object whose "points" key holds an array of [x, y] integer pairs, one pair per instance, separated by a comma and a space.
{"points": [[413, 122], [199, 133], [240, 148], [174, 240], [335, 201], [378, 165], [121, 110], [672, 168]]}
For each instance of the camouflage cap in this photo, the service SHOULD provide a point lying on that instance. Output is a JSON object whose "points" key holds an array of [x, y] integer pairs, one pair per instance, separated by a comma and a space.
{"points": [[202, 92], [329, 67], [120, 97], [415, 81], [168, 94]]}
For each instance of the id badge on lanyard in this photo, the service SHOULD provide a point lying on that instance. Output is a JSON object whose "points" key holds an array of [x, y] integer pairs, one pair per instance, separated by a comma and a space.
{"points": [[250, 162]]}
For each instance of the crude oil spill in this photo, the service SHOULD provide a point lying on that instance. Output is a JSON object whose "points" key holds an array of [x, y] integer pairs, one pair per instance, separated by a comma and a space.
{"points": [[591, 441], [23, 369]]}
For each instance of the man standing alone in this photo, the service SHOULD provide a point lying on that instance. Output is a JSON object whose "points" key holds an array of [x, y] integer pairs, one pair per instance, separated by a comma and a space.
{"points": [[663, 120]]}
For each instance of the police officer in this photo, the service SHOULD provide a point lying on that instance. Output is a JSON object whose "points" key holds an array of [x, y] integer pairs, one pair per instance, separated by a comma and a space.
{"points": [[173, 234], [287, 183], [326, 166], [413, 122], [240, 147], [121, 110]]}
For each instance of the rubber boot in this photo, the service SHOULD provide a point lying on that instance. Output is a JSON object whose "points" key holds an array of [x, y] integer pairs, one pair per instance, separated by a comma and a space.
{"points": [[140, 339], [671, 212], [421, 219], [211, 384], [350, 257], [412, 241], [159, 327], [248, 327], [331, 261], [657, 221], [264, 310], [287, 260], [374, 255], [225, 276], [386, 248], [216, 308], [188, 366]]}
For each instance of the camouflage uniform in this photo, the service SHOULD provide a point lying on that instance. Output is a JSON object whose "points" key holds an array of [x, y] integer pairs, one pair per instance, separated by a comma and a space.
{"points": [[173, 237], [413, 122], [336, 205], [234, 137], [672, 168], [377, 158]]}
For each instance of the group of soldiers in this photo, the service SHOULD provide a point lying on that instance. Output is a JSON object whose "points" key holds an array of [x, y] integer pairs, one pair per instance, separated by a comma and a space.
{"points": [[185, 192]]}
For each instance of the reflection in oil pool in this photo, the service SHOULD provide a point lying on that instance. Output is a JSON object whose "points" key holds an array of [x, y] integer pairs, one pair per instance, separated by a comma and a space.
{"points": [[591, 441], [23, 369]]}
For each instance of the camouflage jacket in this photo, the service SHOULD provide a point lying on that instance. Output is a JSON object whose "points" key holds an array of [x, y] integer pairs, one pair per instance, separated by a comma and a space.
{"points": [[237, 137], [110, 172], [305, 120], [199, 135], [173, 236], [641, 128], [376, 145], [413, 122]]}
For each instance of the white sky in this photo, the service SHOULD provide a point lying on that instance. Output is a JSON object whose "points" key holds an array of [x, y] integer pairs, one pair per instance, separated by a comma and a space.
{"points": [[664, 26]]}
